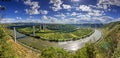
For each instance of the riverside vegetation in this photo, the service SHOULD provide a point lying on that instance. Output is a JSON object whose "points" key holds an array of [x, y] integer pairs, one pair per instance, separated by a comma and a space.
{"points": [[58, 32]]}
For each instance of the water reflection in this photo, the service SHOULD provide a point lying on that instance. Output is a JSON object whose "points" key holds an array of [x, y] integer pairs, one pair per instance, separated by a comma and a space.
{"points": [[75, 45], [69, 45]]}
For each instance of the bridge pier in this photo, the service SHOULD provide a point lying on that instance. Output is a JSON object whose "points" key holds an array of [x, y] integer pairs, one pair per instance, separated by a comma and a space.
{"points": [[14, 34], [33, 30]]}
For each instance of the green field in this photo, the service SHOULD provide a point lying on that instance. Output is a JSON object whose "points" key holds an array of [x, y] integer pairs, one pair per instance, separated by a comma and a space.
{"points": [[59, 34]]}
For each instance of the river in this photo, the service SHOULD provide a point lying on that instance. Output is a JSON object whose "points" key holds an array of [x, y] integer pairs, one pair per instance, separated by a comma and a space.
{"points": [[75, 45], [68, 45]]}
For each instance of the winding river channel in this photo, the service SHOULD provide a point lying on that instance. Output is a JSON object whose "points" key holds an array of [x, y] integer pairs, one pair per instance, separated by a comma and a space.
{"points": [[68, 45], [75, 45]]}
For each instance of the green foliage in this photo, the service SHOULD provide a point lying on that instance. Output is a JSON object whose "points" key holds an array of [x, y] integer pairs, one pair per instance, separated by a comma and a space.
{"points": [[27, 31], [58, 32], [109, 47], [2, 31], [54, 53], [86, 52], [6, 49], [116, 53]]}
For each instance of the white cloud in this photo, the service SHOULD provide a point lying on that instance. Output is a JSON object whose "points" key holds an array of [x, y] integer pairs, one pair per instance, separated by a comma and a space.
{"points": [[106, 19], [31, 17], [44, 18], [103, 19], [106, 3], [44, 12], [10, 20], [96, 13], [34, 6], [56, 4], [65, 6], [74, 14], [16, 11], [73, 20], [90, 10], [60, 15], [118, 19], [75, 0], [18, 18], [85, 8], [32, 11], [84, 17]]}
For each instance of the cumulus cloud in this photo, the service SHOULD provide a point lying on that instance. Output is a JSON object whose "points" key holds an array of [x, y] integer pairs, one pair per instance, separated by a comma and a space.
{"points": [[16, 11], [65, 6], [44, 18], [106, 19], [53, 19], [106, 3], [90, 10], [84, 17], [44, 12], [96, 13], [34, 6], [84, 8], [74, 14], [56, 4], [32, 11], [60, 15], [18, 18]]}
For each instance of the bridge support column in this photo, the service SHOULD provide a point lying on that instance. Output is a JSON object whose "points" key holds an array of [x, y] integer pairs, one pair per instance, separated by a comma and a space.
{"points": [[14, 34], [39, 27], [33, 30]]}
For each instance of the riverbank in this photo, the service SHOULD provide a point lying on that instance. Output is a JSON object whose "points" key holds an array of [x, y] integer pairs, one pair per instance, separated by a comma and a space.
{"points": [[58, 35], [68, 45]]}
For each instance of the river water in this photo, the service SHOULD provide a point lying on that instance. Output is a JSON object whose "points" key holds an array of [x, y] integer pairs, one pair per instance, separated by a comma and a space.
{"points": [[68, 45], [75, 45]]}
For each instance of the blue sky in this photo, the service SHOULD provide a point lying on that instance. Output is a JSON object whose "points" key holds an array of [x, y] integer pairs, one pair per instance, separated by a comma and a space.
{"points": [[62, 11]]}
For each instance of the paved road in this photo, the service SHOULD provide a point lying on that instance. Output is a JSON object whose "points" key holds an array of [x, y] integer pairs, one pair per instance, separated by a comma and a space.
{"points": [[69, 45]]}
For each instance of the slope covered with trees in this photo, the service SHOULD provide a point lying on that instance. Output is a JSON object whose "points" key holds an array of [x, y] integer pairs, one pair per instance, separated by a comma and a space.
{"points": [[109, 46]]}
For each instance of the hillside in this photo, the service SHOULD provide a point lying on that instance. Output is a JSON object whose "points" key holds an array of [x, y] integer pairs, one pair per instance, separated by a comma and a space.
{"points": [[10, 49], [109, 45]]}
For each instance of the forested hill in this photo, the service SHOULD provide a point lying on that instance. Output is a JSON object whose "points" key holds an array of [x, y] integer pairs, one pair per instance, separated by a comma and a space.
{"points": [[109, 47]]}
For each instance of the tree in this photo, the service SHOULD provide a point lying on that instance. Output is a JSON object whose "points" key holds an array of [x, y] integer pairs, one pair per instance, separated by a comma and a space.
{"points": [[86, 52], [53, 52], [90, 50]]}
